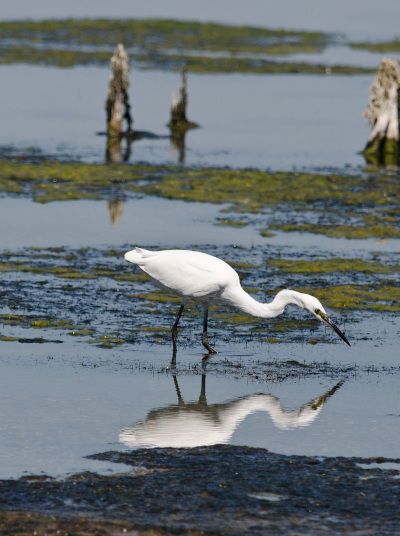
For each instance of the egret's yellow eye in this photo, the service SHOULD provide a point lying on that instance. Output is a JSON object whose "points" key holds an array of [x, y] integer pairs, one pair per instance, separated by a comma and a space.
{"points": [[319, 313]]}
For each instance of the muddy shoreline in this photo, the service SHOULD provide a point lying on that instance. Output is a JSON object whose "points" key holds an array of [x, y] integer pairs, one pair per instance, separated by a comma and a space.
{"points": [[212, 490]]}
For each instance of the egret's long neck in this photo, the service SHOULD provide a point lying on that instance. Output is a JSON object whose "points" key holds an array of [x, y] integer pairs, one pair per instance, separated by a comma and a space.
{"points": [[237, 297]]}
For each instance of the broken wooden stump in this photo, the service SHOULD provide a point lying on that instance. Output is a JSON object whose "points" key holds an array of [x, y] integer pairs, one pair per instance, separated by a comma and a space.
{"points": [[118, 93], [178, 110], [117, 100], [179, 123], [383, 113]]}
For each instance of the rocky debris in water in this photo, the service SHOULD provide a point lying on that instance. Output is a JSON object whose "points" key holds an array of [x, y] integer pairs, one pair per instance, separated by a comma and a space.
{"points": [[224, 490]]}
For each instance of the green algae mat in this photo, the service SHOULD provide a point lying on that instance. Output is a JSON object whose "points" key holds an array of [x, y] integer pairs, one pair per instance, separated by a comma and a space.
{"points": [[92, 296], [340, 206], [155, 34], [163, 44], [382, 47]]}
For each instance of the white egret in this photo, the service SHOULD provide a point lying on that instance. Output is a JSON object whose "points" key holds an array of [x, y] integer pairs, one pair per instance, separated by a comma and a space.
{"points": [[197, 276]]}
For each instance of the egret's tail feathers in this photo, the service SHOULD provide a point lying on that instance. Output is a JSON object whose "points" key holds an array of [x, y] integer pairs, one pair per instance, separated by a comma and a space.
{"points": [[144, 252], [137, 255]]}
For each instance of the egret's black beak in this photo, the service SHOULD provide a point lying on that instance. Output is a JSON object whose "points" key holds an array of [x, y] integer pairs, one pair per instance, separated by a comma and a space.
{"points": [[328, 321]]}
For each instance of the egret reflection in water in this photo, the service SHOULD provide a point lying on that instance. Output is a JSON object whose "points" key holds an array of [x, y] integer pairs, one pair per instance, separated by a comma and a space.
{"points": [[195, 424]]}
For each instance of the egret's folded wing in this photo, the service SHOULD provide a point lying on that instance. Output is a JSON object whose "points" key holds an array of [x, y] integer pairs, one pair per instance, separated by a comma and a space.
{"points": [[188, 273]]}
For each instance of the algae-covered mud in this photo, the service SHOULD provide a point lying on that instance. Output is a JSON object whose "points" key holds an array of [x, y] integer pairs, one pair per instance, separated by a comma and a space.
{"points": [[55, 181], [160, 34], [348, 206], [152, 43], [383, 47], [197, 64], [31, 522], [92, 296]]}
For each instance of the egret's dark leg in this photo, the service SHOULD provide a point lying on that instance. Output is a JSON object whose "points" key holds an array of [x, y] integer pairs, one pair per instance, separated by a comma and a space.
{"points": [[204, 339], [174, 332]]}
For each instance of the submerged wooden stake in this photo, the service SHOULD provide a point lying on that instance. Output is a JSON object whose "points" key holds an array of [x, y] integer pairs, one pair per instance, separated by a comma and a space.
{"points": [[178, 109], [383, 110], [118, 95]]}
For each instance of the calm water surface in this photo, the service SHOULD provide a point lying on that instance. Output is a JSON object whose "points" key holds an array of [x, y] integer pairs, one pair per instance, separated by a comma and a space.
{"points": [[360, 19], [155, 222], [277, 121], [62, 402], [59, 408]]}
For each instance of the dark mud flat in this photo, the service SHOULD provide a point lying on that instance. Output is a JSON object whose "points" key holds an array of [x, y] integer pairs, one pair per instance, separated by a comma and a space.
{"points": [[212, 490]]}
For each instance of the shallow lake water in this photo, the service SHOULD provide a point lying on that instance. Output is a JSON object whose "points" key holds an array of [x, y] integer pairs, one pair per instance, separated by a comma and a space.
{"points": [[257, 121], [58, 407], [360, 19], [61, 402], [161, 223]]}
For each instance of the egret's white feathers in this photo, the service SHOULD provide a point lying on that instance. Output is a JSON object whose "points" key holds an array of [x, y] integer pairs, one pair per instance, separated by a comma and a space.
{"points": [[205, 278], [190, 274], [199, 276]]}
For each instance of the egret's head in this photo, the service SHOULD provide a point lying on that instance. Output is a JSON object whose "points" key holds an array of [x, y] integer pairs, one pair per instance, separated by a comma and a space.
{"points": [[314, 306]]}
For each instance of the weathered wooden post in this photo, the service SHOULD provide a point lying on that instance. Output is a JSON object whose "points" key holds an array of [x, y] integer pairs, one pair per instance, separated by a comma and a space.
{"points": [[382, 113], [179, 123], [116, 99], [178, 110]]}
